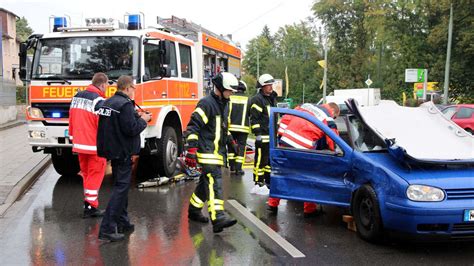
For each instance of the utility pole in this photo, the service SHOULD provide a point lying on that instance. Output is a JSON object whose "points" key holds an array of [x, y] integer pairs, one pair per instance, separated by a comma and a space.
{"points": [[325, 71], [303, 92], [258, 64], [448, 56]]}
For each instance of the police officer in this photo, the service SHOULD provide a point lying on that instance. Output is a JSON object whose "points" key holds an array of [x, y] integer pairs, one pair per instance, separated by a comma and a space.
{"points": [[207, 136], [239, 127], [259, 122], [118, 139]]}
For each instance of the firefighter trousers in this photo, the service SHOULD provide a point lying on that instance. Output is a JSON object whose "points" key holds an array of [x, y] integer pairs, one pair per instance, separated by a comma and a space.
{"points": [[261, 169], [116, 213], [92, 171], [208, 189], [237, 159]]}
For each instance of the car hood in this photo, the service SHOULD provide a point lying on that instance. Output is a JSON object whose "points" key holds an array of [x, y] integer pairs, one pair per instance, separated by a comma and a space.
{"points": [[443, 176], [419, 134]]}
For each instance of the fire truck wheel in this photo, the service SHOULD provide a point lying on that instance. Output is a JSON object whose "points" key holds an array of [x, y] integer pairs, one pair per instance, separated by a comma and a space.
{"points": [[65, 164], [167, 152]]}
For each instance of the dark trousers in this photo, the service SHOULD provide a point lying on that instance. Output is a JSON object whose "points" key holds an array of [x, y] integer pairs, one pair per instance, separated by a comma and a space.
{"points": [[238, 158], [116, 213], [208, 189], [261, 169]]}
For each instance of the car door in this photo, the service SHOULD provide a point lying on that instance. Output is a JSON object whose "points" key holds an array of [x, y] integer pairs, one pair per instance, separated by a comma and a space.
{"points": [[309, 174]]}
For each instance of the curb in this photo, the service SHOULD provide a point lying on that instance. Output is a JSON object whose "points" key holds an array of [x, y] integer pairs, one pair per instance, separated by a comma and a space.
{"points": [[9, 125], [25, 183]]}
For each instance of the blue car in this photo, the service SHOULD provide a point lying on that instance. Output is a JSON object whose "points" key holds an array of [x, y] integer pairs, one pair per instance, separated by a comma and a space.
{"points": [[397, 169]]}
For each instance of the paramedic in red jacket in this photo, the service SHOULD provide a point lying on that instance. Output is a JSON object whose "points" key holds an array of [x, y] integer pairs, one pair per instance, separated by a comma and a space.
{"points": [[299, 133], [83, 122]]}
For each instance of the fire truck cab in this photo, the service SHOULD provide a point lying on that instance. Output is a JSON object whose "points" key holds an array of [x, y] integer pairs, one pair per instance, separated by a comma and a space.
{"points": [[168, 70]]}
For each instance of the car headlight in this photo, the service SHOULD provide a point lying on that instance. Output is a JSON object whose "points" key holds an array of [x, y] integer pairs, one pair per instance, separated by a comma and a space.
{"points": [[34, 112], [424, 193]]}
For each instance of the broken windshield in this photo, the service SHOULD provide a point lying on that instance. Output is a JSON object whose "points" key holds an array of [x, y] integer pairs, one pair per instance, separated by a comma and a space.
{"points": [[81, 57]]}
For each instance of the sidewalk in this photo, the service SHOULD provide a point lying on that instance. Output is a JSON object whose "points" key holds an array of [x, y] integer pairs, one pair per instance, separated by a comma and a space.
{"points": [[19, 165]]}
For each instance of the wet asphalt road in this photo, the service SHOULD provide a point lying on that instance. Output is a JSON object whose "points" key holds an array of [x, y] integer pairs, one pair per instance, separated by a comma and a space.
{"points": [[45, 227]]}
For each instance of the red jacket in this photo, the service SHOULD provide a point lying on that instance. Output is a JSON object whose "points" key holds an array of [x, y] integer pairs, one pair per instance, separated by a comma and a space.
{"points": [[83, 119], [300, 133]]}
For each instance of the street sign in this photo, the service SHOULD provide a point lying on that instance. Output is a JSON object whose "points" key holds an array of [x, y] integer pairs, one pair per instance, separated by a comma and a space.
{"points": [[414, 75], [431, 86], [368, 82]]}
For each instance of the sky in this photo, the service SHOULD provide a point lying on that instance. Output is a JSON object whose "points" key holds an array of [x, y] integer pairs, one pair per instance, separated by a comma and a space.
{"points": [[244, 19]]}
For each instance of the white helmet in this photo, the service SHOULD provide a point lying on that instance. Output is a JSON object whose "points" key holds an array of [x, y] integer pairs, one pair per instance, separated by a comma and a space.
{"points": [[225, 81], [265, 79]]}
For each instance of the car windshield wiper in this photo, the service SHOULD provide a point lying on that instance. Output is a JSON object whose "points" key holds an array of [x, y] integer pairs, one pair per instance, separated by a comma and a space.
{"points": [[58, 79]]}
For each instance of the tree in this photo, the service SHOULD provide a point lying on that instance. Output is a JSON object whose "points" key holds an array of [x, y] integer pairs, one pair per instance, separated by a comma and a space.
{"points": [[385, 37], [23, 30]]}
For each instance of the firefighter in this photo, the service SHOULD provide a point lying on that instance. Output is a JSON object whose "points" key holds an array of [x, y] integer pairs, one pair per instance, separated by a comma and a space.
{"points": [[299, 133], [239, 127], [83, 122], [207, 137], [259, 122], [118, 138]]}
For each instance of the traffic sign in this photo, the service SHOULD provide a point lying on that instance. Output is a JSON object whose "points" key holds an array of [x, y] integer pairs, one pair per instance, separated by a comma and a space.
{"points": [[414, 75], [368, 82]]}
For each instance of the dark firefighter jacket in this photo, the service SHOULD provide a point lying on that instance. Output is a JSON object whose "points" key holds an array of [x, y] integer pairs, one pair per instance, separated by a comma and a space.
{"points": [[239, 113], [260, 114], [207, 130]]}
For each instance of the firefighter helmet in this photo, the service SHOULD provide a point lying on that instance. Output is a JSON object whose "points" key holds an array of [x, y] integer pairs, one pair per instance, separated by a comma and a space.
{"points": [[225, 81], [242, 86], [265, 79]]}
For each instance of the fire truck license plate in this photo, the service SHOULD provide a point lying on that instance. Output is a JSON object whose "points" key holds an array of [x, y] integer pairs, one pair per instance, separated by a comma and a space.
{"points": [[66, 133], [469, 215]]}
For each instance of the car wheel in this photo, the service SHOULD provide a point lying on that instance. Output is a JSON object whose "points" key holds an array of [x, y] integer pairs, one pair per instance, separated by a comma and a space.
{"points": [[168, 152], [65, 163], [469, 130], [367, 214]]}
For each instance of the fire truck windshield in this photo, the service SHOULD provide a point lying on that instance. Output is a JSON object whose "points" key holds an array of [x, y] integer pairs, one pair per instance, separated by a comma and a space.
{"points": [[80, 57]]}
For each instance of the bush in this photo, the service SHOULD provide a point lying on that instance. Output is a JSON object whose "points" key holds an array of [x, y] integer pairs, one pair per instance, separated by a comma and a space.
{"points": [[21, 95]]}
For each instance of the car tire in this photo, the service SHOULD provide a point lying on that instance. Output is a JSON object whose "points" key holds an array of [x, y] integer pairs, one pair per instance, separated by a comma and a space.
{"points": [[66, 163], [168, 152], [469, 131], [366, 213]]}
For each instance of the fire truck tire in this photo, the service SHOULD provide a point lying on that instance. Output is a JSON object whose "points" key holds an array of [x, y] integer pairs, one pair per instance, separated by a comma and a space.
{"points": [[65, 164], [167, 152]]}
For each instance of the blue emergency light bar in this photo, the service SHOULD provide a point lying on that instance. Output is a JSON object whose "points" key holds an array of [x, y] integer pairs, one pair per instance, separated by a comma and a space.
{"points": [[59, 22], [134, 22], [56, 115]]}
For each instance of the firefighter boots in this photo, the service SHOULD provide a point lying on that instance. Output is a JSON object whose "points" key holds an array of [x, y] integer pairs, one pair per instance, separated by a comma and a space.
{"points": [[195, 214], [91, 212], [221, 222]]}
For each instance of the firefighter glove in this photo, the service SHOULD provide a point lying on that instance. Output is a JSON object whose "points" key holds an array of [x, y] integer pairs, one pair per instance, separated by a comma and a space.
{"points": [[234, 146], [191, 158]]}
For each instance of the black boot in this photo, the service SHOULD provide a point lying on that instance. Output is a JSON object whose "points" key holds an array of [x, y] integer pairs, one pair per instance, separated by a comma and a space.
{"points": [[221, 222], [112, 236], [195, 214], [90, 211], [238, 170]]}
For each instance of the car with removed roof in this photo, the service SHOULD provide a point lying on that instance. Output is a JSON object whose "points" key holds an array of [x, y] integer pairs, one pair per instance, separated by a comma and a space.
{"points": [[402, 170]]}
